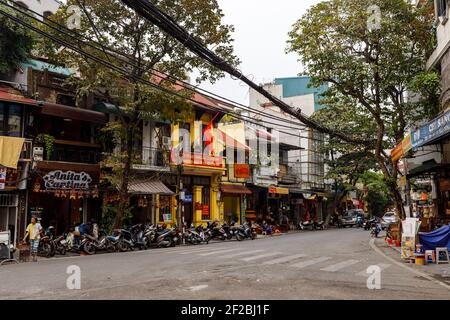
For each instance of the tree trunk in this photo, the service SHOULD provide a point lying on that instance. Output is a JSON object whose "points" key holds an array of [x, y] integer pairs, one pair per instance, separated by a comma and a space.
{"points": [[123, 192]]}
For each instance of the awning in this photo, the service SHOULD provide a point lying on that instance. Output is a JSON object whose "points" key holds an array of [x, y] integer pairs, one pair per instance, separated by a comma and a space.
{"points": [[235, 189], [428, 167], [9, 94], [62, 111], [10, 149], [147, 186]]}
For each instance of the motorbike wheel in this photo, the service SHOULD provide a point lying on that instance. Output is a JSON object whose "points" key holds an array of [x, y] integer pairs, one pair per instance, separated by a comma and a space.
{"points": [[122, 245], [89, 248], [62, 251], [46, 250], [239, 237]]}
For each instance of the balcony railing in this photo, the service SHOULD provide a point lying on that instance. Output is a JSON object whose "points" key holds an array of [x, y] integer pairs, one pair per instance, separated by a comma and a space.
{"points": [[71, 152], [287, 175], [155, 157]]}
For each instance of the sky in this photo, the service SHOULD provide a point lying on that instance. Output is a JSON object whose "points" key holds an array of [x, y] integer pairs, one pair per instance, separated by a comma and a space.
{"points": [[261, 28]]}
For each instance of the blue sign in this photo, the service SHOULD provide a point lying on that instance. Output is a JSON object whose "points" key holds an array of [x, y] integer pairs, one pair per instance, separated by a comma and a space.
{"points": [[188, 198], [433, 130]]}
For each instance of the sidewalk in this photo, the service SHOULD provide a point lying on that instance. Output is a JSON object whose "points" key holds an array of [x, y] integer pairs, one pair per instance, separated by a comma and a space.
{"points": [[440, 272]]}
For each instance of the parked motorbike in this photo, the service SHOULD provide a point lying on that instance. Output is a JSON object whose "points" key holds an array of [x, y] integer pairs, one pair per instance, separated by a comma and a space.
{"points": [[162, 237], [306, 225], [319, 225], [60, 245], [245, 231], [215, 231], [92, 245], [46, 245]]}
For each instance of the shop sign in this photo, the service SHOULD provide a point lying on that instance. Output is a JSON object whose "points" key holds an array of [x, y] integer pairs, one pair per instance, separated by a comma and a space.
{"points": [[278, 190], [67, 180], [242, 171], [167, 217], [205, 209], [434, 129], [402, 148], [2, 177]]}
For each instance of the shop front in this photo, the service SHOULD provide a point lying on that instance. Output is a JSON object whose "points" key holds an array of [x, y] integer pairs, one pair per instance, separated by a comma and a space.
{"points": [[234, 198], [64, 195], [278, 201]]}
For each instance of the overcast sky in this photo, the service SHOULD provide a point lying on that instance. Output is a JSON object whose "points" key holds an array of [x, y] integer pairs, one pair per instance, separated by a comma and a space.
{"points": [[261, 28]]}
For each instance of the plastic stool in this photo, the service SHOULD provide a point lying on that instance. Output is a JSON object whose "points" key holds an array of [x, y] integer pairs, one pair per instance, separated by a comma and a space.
{"points": [[430, 256], [443, 250]]}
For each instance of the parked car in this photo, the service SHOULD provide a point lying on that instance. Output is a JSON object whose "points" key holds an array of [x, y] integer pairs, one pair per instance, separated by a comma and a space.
{"points": [[348, 219], [388, 219]]}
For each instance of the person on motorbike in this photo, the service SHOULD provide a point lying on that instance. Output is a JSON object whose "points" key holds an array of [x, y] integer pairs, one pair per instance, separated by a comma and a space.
{"points": [[266, 228]]}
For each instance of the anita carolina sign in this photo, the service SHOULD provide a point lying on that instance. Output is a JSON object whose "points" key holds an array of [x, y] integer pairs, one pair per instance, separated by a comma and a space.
{"points": [[67, 180]]}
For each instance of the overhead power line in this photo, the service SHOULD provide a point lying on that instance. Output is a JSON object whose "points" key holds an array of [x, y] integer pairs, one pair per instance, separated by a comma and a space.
{"points": [[125, 74], [152, 13]]}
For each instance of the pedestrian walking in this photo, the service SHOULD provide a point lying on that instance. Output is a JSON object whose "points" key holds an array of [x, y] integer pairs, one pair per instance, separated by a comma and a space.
{"points": [[33, 232]]}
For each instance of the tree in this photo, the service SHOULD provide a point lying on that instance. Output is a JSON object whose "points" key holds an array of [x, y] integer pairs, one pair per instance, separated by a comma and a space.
{"points": [[146, 49], [368, 50], [377, 193], [16, 42]]}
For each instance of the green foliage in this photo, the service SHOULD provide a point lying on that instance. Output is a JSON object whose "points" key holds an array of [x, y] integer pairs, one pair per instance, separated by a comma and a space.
{"points": [[377, 195], [428, 87], [109, 213], [48, 141], [16, 42]]}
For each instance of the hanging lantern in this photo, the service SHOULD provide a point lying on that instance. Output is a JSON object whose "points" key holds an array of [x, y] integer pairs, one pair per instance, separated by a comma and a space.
{"points": [[145, 202], [57, 193], [95, 192], [37, 187], [63, 194], [73, 195], [80, 194]]}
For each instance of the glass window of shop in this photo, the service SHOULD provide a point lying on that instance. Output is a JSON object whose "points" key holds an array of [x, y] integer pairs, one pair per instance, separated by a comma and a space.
{"points": [[164, 208]]}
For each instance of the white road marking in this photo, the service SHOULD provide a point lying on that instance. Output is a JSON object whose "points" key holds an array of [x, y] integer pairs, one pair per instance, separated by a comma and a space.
{"points": [[260, 256], [241, 253], [340, 265], [192, 251], [308, 263], [285, 259], [216, 252], [382, 266], [198, 288]]}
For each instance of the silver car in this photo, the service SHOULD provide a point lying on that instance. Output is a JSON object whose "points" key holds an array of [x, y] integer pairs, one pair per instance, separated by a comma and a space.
{"points": [[388, 219]]}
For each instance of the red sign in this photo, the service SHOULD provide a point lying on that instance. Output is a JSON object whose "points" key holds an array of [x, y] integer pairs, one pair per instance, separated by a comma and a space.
{"points": [[242, 171], [205, 209]]}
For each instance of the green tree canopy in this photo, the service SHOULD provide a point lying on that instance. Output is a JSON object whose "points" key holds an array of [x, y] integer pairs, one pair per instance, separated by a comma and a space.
{"points": [[368, 51], [16, 42]]}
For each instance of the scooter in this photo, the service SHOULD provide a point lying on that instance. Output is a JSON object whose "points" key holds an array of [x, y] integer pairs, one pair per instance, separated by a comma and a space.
{"points": [[306, 225], [375, 230]]}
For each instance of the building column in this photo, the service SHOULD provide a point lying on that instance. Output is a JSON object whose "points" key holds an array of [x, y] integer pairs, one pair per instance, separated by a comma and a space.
{"points": [[197, 200], [214, 206]]}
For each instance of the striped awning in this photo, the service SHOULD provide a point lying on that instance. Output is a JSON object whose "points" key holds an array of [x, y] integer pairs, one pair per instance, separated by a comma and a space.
{"points": [[147, 186]]}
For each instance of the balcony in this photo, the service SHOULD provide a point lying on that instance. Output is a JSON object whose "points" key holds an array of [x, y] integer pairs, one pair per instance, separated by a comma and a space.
{"points": [[154, 159], [287, 175], [74, 151], [199, 160]]}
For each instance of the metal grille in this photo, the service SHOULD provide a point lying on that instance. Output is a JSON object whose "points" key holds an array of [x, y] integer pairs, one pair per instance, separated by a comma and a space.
{"points": [[8, 200]]}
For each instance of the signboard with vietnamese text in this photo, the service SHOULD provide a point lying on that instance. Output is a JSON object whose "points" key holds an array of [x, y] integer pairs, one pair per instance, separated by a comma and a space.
{"points": [[242, 171], [278, 190], [433, 130]]}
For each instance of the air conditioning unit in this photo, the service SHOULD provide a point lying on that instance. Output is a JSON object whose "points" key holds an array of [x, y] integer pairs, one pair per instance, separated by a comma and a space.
{"points": [[167, 142], [38, 154]]}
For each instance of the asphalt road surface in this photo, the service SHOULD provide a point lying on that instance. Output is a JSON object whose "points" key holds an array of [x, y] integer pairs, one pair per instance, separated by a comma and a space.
{"points": [[330, 264]]}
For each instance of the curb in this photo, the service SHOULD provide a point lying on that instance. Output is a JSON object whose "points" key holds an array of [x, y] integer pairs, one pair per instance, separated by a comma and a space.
{"points": [[405, 266]]}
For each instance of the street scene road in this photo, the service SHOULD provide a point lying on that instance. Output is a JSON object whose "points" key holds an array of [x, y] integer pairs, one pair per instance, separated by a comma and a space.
{"points": [[329, 264]]}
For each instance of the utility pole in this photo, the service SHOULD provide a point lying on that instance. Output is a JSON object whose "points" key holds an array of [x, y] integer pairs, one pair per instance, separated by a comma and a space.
{"points": [[179, 188]]}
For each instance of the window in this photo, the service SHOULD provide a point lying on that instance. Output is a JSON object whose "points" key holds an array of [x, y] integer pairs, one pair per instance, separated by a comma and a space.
{"points": [[10, 120], [441, 6]]}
